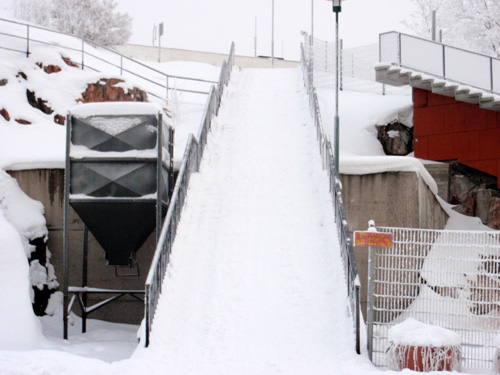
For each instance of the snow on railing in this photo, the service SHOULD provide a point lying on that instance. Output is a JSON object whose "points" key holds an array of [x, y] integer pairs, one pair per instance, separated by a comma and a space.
{"points": [[347, 253], [447, 278], [190, 163], [95, 57], [440, 60]]}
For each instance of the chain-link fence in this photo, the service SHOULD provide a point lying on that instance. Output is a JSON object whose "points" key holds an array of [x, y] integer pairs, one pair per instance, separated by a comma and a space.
{"points": [[357, 67], [449, 279]]}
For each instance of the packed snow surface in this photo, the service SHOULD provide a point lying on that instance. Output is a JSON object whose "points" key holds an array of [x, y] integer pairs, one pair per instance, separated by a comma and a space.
{"points": [[260, 288], [415, 333]]}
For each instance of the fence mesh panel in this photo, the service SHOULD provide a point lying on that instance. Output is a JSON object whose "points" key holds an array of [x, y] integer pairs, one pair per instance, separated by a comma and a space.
{"points": [[357, 67], [449, 279]]}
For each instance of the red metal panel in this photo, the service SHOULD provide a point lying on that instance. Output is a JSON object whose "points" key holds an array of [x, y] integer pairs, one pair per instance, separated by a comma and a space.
{"points": [[421, 147], [428, 120], [486, 166], [478, 118], [437, 100], [466, 145], [454, 118], [441, 147], [489, 144], [420, 98]]}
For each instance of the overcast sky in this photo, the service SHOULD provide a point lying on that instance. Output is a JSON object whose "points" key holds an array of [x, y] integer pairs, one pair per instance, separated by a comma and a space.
{"points": [[211, 25]]}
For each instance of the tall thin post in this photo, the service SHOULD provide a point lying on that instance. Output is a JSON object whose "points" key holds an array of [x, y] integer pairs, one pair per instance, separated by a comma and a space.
{"points": [[337, 119], [272, 38], [370, 320], [255, 39], [434, 25], [66, 231], [27, 41], [85, 276], [83, 54]]}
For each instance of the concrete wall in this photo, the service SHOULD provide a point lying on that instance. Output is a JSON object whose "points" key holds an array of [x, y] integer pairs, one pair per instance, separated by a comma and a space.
{"points": [[150, 53], [395, 199], [400, 199], [47, 186]]}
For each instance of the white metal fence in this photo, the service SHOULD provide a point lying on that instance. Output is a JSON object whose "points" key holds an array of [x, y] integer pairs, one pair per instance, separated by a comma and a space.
{"points": [[445, 278], [439, 60], [357, 67]]}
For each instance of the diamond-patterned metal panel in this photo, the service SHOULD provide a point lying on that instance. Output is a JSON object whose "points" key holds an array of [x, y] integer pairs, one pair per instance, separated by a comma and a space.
{"points": [[113, 179], [115, 133]]}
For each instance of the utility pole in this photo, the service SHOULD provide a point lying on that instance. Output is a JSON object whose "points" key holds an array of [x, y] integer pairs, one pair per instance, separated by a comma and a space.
{"points": [[160, 33]]}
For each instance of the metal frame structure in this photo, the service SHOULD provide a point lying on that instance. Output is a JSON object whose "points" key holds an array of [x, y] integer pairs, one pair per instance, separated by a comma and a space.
{"points": [[327, 155], [74, 195], [190, 164], [395, 42], [445, 278], [123, 64]]}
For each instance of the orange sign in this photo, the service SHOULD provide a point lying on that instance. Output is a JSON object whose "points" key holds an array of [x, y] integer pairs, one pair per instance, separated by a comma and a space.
{"points": [[375, 239]]}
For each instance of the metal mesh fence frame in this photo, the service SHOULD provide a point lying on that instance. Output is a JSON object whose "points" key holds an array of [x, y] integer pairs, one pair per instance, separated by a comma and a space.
{"points": [[445, 278], [357, 67]]}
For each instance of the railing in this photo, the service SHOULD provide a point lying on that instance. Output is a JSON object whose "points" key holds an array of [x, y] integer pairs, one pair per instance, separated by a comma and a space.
{"points": [[441, 277], [442, 61], [357, 67], [190, 163], [88, 59], [347, 253]]}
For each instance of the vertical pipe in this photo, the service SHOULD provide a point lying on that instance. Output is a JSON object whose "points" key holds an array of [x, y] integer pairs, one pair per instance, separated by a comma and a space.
{"points": [[341, 65], [66, 231], [444, 61], [121, 65], [85, 276]]}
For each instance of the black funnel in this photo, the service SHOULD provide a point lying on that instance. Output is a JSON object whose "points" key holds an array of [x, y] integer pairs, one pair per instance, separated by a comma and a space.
{"points": [[121, 228]]}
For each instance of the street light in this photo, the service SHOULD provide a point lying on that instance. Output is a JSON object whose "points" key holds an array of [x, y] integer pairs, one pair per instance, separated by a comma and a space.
{"points": [[337, 8]]}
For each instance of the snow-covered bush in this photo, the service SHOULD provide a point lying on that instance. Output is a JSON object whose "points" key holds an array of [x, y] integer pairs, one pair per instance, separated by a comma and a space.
{"points": [[471, 24], [96, 20]]}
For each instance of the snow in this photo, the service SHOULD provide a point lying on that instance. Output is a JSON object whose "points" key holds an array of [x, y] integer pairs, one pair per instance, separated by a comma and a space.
{"points": [[115, 109], [19, 328], [415, 333]]}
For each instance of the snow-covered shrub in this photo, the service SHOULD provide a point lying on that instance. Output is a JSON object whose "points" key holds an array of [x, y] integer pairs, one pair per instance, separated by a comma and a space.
{"points": [[96, 20]]}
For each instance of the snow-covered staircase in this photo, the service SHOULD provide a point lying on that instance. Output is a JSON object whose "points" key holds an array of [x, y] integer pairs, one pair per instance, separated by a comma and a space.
{"points": [[445, 70]]}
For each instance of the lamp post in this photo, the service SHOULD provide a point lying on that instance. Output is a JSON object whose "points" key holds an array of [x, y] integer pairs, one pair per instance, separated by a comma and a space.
{"points": [[337, 8]]}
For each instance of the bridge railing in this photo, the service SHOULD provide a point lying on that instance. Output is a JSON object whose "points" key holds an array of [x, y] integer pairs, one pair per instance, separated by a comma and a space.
{"points": [[87, 54], [440, 60], [190, 163], [347, 253]]}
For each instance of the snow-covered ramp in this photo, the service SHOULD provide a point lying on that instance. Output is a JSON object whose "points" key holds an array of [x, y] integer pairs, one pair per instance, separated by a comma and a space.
{"points": [[255, 284]]}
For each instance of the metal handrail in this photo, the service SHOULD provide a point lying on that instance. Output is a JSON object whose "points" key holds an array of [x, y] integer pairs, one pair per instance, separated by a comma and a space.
{"points": [[190, 163], [84, 53], [347, 252], [443, 56]]}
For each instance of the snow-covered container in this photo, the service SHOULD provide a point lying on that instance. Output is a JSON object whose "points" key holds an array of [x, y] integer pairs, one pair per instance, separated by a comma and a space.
{"points": [[116, 180], [423, 347]]}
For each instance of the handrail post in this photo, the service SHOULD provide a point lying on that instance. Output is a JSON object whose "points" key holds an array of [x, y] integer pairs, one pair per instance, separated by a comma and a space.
{"points": [[83, 54], [27, 40]]}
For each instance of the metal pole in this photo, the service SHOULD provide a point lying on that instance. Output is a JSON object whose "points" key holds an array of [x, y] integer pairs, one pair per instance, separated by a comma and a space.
{"points": [[272, 38], [28, 41], [337, 120], [83, 54], [311, 50], [66, 231], [84, 276], [255, 38], [159, 187], [371, 273], [434, 25], [159, 47]]}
